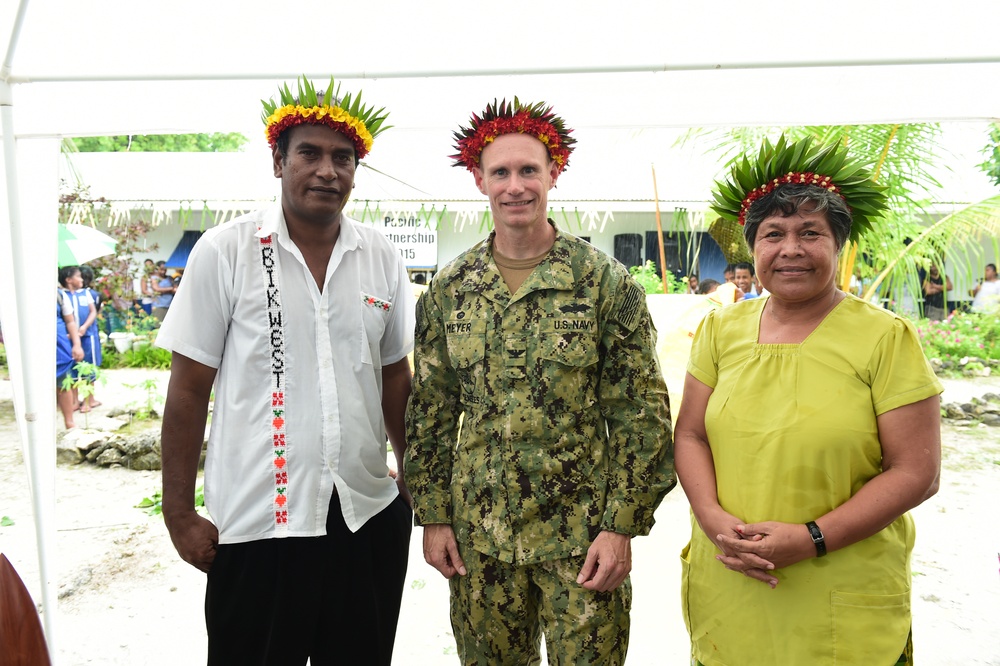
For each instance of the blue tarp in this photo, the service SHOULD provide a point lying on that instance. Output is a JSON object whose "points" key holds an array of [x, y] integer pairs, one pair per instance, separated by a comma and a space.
{"points": [[179, 257]]}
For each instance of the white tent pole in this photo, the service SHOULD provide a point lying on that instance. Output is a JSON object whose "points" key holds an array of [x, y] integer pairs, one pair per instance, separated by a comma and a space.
{"points": [[15, 35], [523, 71], [32, 357]]}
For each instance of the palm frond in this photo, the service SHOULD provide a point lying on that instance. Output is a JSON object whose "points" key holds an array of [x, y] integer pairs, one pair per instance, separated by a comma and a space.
{"points": [[908, 246]]}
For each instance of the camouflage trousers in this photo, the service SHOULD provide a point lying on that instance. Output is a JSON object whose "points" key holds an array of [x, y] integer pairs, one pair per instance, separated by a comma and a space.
{"points": [[499, 612]]}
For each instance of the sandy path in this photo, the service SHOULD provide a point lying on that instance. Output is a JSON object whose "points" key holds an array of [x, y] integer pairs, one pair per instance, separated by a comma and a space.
{"points": [[127, 599]]}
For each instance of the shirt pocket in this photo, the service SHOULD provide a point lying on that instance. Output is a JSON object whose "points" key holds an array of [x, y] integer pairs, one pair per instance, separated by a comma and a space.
{"points": [[466, 341], [869, 628], [374, 313]]}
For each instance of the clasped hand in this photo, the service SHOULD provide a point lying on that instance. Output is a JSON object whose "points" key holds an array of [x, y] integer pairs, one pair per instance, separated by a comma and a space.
{"points": [[756, 550]]}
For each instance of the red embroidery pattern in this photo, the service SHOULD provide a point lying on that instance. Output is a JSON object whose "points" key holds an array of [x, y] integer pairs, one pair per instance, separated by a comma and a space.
{"points": [[376, 302], [276, 338]]}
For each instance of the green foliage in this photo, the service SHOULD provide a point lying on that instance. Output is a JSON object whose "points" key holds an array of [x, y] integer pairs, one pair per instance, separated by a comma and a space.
{"points": [[992, 150], [153, 399], [144, 357], [132, 320], [961, 335], [3, 361], [87, 374], [651, 281], [6, 521], [162, 143], [154, 505]]}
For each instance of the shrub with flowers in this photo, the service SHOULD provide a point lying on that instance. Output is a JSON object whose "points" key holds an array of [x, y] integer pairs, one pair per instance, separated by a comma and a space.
{"points": [[962, 335]]}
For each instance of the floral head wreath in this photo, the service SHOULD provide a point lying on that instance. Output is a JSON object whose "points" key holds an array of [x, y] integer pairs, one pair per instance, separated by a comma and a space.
{"points": [[360, 123], [801, 163], [536, 120]]}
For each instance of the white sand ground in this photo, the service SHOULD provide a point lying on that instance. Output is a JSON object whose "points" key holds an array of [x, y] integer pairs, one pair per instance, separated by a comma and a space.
{"points": [[128, 599]]}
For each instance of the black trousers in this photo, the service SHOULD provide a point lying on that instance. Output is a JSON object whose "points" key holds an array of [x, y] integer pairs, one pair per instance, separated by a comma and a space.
{"points": [[333, 599]]}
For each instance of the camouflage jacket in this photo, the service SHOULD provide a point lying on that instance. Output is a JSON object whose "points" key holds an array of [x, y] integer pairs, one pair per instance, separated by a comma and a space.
{"points": [[566, 429]]}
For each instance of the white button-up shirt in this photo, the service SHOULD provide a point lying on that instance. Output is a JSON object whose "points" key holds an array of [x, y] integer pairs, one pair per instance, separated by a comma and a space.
{"points": [[335, 344]]}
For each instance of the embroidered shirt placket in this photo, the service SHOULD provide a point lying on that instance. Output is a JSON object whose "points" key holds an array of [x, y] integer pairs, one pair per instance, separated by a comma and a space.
{"points": [[276, 343]]}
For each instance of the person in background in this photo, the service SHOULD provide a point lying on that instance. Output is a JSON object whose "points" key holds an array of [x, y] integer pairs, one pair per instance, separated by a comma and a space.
{"points": [[935, 298], [986, 294], [163, 287], [692, 283], [301, 318], [729, 273], [90, 334], [146, 292], [68, 349], [801, 540], [743, 277], [542, 348], [707, 286]]}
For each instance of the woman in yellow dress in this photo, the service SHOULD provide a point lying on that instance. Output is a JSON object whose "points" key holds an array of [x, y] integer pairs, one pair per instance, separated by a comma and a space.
{"points": [[810, 425]]}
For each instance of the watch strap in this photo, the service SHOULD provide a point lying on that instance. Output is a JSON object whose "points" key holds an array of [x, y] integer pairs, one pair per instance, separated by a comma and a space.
{"points": [[817, 538]]}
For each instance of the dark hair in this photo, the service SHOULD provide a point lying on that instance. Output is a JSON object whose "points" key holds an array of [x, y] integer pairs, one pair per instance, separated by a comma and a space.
{"points": [[787, 200], [161, 264], [993, 266], [87, 273], [707, 285], [66, 272], [745, 266]]}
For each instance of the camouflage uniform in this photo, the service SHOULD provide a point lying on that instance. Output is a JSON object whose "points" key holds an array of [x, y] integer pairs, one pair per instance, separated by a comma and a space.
{"points": [[566, 429]]}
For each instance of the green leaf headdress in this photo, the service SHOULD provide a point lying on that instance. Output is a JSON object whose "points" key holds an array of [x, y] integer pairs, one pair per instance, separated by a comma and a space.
{"points": [[348, 116], [828, 167]]}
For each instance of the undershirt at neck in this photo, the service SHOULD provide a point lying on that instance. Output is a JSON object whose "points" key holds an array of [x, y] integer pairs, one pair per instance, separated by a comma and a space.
{"points": [[516, 271]]}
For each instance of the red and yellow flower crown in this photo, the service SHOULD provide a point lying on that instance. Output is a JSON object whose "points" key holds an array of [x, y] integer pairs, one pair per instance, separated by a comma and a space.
{"points": [[536, 120], [358, 122]]}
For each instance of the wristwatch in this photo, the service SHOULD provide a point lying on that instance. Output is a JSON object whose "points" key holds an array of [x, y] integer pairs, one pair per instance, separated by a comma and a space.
{"points": [[817, 536]]}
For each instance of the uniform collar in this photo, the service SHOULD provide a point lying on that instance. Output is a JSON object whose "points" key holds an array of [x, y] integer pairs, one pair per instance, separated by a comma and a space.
{"points": [[555, 271]]}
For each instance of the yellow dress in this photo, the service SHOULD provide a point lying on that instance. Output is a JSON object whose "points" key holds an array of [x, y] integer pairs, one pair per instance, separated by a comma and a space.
{"points": [[793, 434]]}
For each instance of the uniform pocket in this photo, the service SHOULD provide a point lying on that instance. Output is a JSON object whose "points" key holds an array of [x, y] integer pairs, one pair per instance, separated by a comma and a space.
{"points": [[466, 352], [568, 341], [869, 628]]}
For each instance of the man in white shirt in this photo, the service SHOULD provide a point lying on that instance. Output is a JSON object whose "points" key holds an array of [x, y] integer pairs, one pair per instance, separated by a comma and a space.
{"points": [[301, 318], [986, 294]]}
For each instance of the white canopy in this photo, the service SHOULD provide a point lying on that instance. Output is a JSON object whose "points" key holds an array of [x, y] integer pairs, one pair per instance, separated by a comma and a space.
{"points": [[620, 72]]}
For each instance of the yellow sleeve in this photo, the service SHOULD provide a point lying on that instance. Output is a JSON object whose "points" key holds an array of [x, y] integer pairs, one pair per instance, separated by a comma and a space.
{"points": [[899, 371]]}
